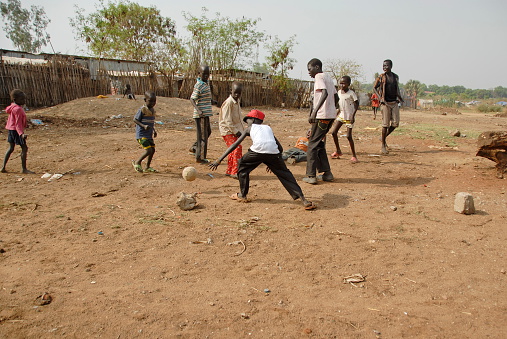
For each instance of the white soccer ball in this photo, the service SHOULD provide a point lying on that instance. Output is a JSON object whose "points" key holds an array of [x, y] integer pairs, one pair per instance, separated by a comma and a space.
{"points": [[189, 173]]}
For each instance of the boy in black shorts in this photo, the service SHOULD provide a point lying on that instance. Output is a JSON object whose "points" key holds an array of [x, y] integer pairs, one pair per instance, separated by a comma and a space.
{"points": [[145, 132]]}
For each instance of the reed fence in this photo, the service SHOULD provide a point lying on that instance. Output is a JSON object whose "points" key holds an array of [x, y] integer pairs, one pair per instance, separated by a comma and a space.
{"points": [[61, 80]]}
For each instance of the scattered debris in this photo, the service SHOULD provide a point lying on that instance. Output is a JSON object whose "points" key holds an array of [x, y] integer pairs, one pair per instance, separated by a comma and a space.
{"points": [[354, 278], [245, 316], [267, 290], [37, 122], [208, 241], [394, 208], [97, 194], [237, 243], [44, 299], [186, 201]]}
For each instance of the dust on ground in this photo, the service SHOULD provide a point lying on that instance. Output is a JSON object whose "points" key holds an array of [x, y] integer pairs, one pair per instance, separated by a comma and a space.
{"points": [[120, 259]]}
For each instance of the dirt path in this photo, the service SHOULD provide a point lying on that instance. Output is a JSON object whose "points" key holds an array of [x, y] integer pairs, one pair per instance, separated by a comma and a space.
{"points": [[120, 259]]}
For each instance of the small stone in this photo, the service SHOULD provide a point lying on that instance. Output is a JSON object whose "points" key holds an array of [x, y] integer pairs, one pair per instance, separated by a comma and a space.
{"points": [[456, 133], [2, 250], [394, 208], [464, 203], [502, 271], [245, 316], [267, 290], [307, 331]]}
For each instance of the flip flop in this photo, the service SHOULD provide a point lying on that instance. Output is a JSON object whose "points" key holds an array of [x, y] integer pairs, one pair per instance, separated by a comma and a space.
{"points": [[150, 170], [236, 197], [310, 206], [137, 168]]}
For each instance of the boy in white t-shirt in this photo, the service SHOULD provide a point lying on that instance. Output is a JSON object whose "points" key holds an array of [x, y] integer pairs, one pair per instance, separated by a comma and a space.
{"points": [[265, 149], [321, 118], [349, 104]]}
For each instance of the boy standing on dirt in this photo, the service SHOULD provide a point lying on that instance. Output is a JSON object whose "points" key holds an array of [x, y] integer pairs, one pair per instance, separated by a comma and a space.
{"points": [[201, 100], [375, 103], [16, 124], [387, 88], [265, 149], [349, 104], [322, 114], [231, 127], [145, 132]]}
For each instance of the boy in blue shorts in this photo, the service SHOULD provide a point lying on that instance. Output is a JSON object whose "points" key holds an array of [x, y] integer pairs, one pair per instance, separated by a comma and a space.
{"points": [[145, 132], [348, 104]]}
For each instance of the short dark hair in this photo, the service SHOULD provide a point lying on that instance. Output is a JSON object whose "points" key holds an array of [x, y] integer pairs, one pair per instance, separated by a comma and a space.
{"points": [[347, 78], [16, 93], [389, 61], [237, 84], [315, 62]]}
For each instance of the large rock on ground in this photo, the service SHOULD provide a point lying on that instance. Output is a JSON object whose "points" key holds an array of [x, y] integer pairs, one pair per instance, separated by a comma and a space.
{"points": [[186, 201], [464, 203], [493, 146]]}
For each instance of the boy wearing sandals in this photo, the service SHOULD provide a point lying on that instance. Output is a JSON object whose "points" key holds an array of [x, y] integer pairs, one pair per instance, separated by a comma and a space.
{"points": [[145, 132], [265, 149], [349, 104]]}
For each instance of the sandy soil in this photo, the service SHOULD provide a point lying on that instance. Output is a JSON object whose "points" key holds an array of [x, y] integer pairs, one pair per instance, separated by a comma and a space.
{"points": [[121, 260]]}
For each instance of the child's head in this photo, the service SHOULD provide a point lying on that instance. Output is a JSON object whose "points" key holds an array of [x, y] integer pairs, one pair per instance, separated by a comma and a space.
{"points": [[127, 86], [314, 67], [204, 72], [345, 83], [18, 97], [387, 65], [237, 89], [255, 116], [150, 99]]}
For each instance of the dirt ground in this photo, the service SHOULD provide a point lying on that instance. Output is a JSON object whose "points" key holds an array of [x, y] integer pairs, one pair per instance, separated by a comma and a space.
{"points": [[121, 260]]}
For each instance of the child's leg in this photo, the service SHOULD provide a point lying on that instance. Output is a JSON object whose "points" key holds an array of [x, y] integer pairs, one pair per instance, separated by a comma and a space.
{"points": [[334, 132], [351, 142], [278, 167], [151, 152], [24, 151], [206, 134], [198, 147], [247, 164], [7, 156]]}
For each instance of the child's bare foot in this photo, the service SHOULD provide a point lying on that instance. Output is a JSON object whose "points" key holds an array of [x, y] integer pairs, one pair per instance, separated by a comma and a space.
{"points": [[354, 160], [384, 150], [3, 170], [25, 171], [336, 155]]}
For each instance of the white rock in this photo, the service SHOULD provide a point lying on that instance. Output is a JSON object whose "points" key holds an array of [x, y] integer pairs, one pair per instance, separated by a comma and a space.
{"points": [[464, 203]]}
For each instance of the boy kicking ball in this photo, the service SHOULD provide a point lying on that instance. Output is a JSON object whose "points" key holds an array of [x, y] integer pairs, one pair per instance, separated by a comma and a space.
{"points": [[267, 150]]}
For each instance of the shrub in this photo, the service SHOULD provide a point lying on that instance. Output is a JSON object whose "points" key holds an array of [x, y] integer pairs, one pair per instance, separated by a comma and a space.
{"points": [[489, 108]]}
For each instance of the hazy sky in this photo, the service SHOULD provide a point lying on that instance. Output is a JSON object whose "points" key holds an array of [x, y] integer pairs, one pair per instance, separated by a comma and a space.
{"points": [[443, 42]]}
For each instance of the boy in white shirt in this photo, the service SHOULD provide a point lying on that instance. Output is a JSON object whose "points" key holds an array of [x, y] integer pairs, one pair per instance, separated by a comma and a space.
{"points": [[265, 149], [349, 104], [321, 118]]}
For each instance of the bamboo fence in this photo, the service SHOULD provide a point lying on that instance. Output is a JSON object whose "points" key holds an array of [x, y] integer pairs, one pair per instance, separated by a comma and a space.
{"points": [[63, 79]]}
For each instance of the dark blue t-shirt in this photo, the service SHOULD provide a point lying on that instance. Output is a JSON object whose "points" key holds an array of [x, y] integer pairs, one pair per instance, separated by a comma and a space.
{"points": [[146, 117]]}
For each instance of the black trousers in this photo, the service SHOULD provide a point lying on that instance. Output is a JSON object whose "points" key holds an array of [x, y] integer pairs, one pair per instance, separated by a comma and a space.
{"points": [[317, 155], [251, 160], [203, 129]]}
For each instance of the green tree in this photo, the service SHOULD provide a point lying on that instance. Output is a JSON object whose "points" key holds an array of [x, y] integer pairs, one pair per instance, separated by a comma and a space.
{"points": [[413, 89], [169, 58], [340, 67], [221, 42], [123, 29], [25, 28], [278, 57]]}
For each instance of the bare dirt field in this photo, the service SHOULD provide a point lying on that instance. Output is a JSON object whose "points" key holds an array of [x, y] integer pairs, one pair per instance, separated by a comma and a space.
{"points": [[121, 260]]}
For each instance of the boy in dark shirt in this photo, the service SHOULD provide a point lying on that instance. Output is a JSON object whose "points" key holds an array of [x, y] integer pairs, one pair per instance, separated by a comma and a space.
{"points": [[387, 88], [145, 132]]}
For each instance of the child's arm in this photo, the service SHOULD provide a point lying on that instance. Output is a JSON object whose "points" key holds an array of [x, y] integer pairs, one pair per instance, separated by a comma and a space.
{"points": [[139, 123], [322, 99], [375, 86], [201, 114], [213, 166]]}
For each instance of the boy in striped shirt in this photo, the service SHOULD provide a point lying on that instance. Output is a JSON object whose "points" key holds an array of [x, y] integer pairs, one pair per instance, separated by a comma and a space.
{"points": [[201, 100]]}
